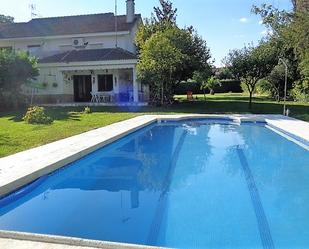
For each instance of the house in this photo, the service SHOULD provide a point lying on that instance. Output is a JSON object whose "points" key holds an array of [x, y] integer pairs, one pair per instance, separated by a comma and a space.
{"points": [[85, 58]]}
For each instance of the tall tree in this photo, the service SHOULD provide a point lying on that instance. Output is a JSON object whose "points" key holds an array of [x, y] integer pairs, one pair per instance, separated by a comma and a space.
{"points": [[291, 38], [159, 60], [16, 69], [166, 12], [195, 53], [273, 18], [6, 19], [251, 64]]}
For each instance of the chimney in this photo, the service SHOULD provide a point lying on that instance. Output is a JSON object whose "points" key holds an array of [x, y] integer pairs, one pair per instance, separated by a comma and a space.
{"points": [[130, 11]]}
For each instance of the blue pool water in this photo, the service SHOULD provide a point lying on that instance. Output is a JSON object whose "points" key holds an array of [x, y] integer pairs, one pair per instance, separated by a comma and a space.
{"points": [[189, 184]]}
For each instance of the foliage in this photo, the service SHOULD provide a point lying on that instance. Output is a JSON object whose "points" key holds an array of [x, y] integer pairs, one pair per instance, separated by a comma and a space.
{"points": [[229, 86], [166, 12], [6, 19], [16, 68], [291, 38], [191, 53], [87, 110], [297, 35], [36, 115], [210, 84], [276, 81], [201, 76], [188, 86], [251, 64], [207, 82], [273, 18], [186, 40], [225, 86], [159, 60], [224, 73], [300, 91]]}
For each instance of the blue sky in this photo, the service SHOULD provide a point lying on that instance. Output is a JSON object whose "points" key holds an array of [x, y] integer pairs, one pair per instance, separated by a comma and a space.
{"points": [[225, 24]]}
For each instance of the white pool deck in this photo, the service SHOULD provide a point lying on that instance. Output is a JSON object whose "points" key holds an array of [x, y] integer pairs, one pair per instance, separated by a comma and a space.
{"points": [[22, 168]]}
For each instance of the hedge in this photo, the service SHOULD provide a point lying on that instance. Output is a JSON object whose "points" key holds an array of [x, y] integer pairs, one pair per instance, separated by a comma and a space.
{"points": [[226, 86]]}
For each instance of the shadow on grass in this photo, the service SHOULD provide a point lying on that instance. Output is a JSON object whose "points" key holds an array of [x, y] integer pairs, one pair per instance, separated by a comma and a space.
{"points": [[57, 113], [237, 104]]}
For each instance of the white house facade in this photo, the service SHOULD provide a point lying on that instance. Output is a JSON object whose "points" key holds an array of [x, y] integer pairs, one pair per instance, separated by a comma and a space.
{"points": [[86, 58]]}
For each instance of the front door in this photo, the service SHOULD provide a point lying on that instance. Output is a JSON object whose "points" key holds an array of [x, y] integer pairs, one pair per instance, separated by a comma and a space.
{"points": [[82, 88]]}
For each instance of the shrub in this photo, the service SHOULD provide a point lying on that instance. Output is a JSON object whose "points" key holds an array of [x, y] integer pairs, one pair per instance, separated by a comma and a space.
{"points": [[225, 86], [229, 86], [188, 86], [36, 115], [87, 110], [300, 91]]}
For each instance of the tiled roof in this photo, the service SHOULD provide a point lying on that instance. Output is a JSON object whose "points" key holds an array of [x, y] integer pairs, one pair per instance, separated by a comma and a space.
{"points": [[67, 25], [107, 54]]}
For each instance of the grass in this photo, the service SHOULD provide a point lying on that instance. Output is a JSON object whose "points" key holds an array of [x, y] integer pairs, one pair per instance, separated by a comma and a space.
{"points": [[16, 136]]}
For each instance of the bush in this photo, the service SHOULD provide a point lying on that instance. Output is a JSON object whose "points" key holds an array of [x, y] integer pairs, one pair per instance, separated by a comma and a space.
{"points": [[87, 110], [264, 87], [36, 115], [225, 86], [300, 91], [188, 86]]}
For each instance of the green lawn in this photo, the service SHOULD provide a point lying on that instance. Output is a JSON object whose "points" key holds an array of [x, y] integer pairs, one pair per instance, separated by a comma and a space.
{"points": [[17, 136]]}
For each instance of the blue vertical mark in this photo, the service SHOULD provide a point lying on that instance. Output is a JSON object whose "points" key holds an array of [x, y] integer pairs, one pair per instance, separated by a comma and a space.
{"points": [[263, 225], [162, 202]]}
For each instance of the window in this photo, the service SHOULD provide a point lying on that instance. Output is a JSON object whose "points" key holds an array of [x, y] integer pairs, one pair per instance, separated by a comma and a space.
{"points": [[105, 83], [34, 49]]}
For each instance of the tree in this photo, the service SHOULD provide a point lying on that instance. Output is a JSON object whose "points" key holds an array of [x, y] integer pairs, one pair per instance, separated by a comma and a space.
{"points": [[224, 73], [291, 38], [16, 68], [273, 18], [6, 19], [210, 84], [201, 77], [166, 12], [195, 54], [159, 60], [275, 82], [251, 64], [194, 51]]}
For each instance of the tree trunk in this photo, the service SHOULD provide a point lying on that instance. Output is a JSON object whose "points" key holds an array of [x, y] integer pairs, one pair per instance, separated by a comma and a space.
{"points": [[162, 94], [204, 94], [250, 99]]}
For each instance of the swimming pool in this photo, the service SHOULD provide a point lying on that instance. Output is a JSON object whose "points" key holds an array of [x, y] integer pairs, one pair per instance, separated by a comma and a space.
{"points": [[185, 184]]}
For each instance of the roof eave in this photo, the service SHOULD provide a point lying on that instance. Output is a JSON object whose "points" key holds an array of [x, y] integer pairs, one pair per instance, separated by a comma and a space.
{"points": [[67, 36], [88, 63]]}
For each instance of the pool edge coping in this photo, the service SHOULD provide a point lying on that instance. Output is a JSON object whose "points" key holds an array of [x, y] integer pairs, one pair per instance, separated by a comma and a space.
{"points": [[70, 241], [138, 123]]}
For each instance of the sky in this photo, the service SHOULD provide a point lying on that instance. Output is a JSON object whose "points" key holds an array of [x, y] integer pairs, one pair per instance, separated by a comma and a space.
{"points": [[224, 24]]}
